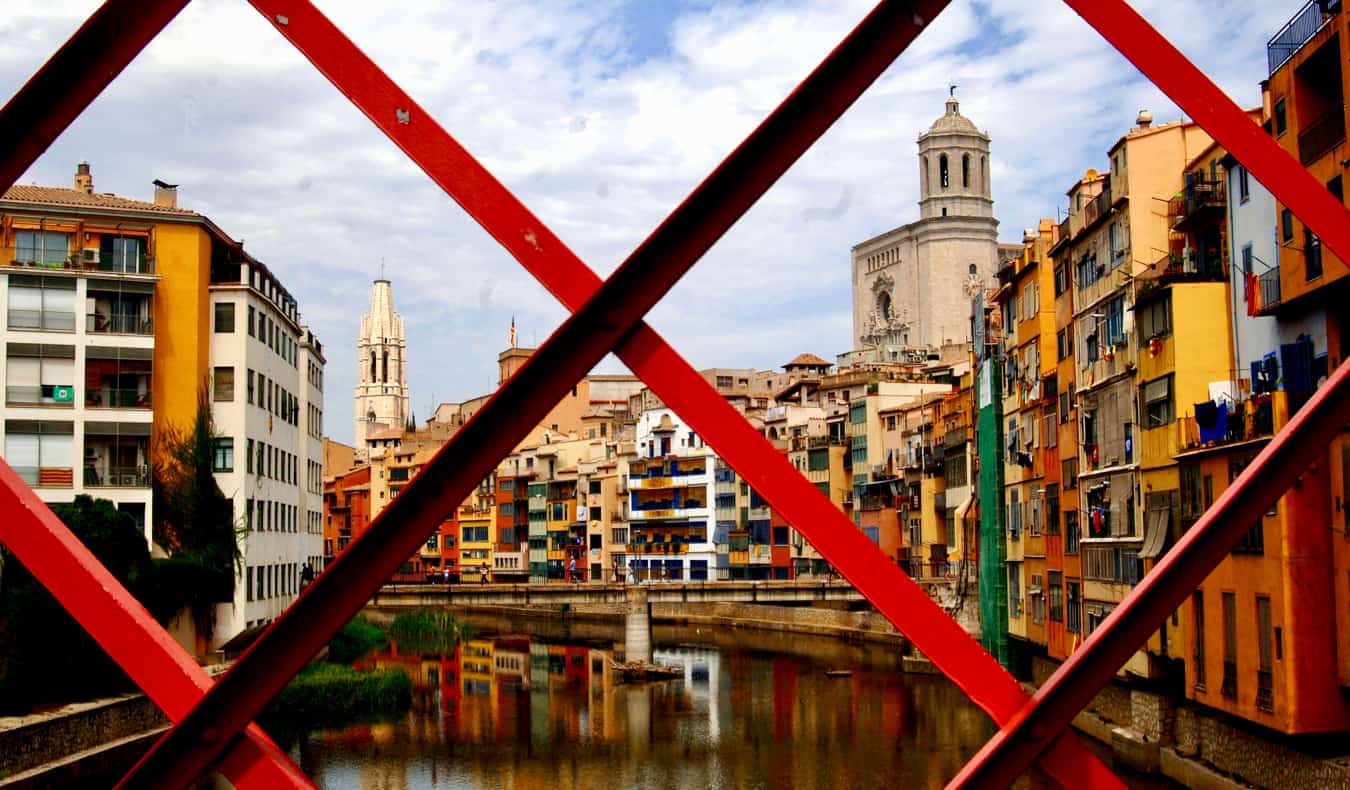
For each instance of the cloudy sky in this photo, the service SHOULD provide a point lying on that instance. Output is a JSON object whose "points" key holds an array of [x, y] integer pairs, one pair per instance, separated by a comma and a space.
{"points": [[601, 116]]}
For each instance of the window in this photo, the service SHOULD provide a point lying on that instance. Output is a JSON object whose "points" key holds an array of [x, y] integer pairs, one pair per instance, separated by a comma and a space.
{"points": [[248, 457], [1265, 696], [1198, 616], [1073, 616], [476, 534], [42, 248], [42, 303], [1062, 344], [223, 454], [1071, 536], [1115, 321], [1052, 509], [1192, 505], [1057, 596], [251, 314], [965, 171], [41, 452], [1069, 473], [1157, 399], [224, 317], [1014, 514], [1286, 226], [1312, 254], [1061, 279], [1244, 185], [223, 385], [944, 178], [40, 373], [1229, 645], [1281, 122], [249, 380], [1014, 589], [1155, 318]]}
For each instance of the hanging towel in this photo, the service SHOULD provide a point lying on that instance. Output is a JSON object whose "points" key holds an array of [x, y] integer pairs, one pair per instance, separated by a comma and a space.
{"points": [[1252, 285]]}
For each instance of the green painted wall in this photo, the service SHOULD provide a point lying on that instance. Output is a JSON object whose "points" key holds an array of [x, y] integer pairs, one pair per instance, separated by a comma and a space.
{"points": [[993, 555]]}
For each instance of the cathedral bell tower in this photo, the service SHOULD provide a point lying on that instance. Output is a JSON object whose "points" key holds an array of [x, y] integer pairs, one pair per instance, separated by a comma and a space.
{"points": [[382, 377], [954, 167]]}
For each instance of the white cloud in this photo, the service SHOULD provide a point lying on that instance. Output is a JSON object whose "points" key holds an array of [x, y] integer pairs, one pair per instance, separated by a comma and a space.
{"points": [[601, 140]]}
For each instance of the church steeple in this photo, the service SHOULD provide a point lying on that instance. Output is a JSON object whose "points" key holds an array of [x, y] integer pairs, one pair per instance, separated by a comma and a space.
{"points": [[382, 379], [954, 167]]}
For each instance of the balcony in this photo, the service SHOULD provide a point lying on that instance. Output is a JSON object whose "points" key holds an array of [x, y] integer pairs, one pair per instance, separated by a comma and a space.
{"points": [[46, 476], [109, 397], [41, 320], [1189, 266], [1098, 208], [1202, 198], [117, 462], [676, 481], [1298, 30], [1252, 418], [96, 323], [1322, 135], [1269, 283], [40, 395]]}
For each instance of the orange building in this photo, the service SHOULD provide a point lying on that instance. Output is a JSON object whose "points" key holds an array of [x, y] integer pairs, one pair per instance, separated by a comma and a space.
{"points": [[346, 510]]}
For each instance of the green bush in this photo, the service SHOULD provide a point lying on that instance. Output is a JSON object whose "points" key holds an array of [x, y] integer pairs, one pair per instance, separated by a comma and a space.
{"points": [[428, 631], [355, 640], [333, 695]]}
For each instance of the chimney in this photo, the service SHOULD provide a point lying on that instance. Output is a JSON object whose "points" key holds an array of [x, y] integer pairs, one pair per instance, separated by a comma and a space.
{"points": [[84, 182], [1144, 119], [166, 194]]}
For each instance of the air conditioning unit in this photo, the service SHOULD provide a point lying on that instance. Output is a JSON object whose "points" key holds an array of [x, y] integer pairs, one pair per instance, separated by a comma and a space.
{"points": [[90, 255]]}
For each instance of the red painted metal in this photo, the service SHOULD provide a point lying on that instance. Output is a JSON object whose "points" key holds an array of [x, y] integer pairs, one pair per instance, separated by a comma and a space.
{"points": [[1300, 444], [122, 627], [79, 71], [574, 349]]}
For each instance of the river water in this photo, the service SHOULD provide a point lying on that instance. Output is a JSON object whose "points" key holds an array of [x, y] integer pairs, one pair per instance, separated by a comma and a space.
{"points": [[534, 704]]}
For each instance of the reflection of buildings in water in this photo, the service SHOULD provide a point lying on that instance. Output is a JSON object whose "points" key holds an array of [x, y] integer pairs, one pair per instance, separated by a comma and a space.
{"points": [[702, 679]]}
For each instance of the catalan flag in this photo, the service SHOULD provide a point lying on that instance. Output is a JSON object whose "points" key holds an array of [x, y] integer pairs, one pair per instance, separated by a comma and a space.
{"points": [[513, 331]]}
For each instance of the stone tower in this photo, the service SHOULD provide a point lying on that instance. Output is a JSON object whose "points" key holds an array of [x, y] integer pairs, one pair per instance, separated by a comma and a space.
{"points": [[382, 378], [912, 285]]}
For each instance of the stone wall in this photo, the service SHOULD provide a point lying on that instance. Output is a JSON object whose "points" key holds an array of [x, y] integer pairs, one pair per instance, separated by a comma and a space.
{"points": [[1255, 759], [30, 741]]}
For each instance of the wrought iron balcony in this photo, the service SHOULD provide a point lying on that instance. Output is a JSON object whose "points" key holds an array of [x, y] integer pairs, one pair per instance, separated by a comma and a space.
{"points": [[1201, 198]]}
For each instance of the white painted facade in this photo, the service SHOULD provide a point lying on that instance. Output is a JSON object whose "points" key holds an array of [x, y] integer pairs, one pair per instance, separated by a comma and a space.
{"points": [[266, 422], [661, 434], [77, 405], [1252, 249]]}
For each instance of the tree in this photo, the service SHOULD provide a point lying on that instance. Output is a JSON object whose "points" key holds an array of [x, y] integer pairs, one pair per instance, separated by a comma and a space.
{"points": [[194, 521], [45, 656]]}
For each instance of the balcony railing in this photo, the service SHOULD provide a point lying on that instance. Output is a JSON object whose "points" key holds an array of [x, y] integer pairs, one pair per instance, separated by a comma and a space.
{"points": [[1252, 418], [1322, 135], [1269, 282], [48, 320], [1098, 207], [1265, 691], [44, 395], [126, 264], [117, 476], [1188, 266], [1298, 30], [1200, 195], [117, 398], [46, 476], [119, 325]]}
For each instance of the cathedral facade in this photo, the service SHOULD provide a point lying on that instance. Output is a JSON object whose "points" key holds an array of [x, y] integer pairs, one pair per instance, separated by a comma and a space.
{"points": [[912, 286], [382, 378]]}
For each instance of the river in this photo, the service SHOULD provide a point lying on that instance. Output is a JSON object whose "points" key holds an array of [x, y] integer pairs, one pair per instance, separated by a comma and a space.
{"points": [[535, 704]]}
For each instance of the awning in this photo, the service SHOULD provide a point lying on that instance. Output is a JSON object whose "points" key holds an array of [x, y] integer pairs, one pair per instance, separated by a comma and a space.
{"points": [[1155, 533]]}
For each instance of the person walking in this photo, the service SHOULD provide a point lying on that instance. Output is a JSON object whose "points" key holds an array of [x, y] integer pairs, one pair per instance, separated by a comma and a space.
{"points": [[572, 569], [482, 574], [306, 576], [445, 575]]}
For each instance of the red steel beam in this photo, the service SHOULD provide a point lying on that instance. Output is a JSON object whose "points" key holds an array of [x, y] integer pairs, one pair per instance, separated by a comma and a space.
{"points": [[79, 71], [1274, 470], [123, 628], [579, 344], [672, 378]]}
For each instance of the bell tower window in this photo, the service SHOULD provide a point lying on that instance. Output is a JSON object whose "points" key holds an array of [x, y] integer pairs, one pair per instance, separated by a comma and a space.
{"points": [[944, 178], [965, 171]]}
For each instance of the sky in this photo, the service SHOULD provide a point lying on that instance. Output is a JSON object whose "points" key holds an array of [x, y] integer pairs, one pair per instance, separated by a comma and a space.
{"points": [[601, 116]]}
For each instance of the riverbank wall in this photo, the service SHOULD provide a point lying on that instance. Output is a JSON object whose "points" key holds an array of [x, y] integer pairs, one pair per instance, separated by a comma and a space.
{"points": [[1151, 732], [839, 623]]}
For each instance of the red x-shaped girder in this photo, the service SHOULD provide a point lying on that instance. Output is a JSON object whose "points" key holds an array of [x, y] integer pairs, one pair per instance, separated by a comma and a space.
{"points": [[205, 734]]}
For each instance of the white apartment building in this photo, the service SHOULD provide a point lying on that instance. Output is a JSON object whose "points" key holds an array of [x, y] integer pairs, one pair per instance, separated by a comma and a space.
{"points": [[267, 403]]}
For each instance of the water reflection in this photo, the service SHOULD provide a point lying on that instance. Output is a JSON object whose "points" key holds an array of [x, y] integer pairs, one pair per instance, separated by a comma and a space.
{"points": [[507, 710]]}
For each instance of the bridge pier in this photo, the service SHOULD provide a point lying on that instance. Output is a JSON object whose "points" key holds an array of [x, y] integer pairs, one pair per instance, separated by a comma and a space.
{"points": [[638, 625]]}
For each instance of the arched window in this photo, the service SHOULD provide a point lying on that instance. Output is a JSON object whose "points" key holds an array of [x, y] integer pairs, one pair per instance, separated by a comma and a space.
{"points": [[884, 309], [923, 175], [372, 366], [984, 176], [385, 370], [944, 179], [370, 416], [965, 171]]}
